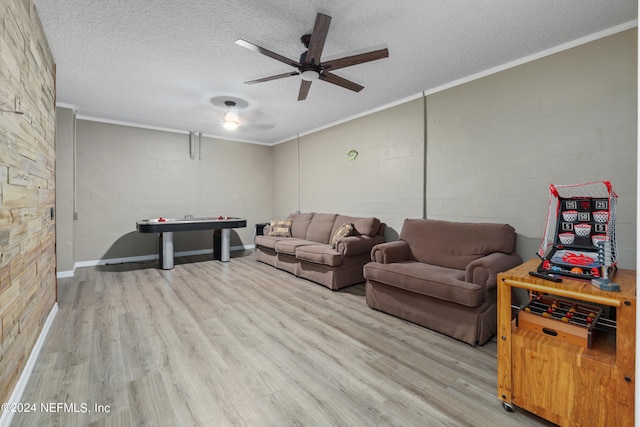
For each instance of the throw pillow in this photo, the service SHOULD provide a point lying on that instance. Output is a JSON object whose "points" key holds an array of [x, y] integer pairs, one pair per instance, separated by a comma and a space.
{"points": [[280, 228], [344, 231]]}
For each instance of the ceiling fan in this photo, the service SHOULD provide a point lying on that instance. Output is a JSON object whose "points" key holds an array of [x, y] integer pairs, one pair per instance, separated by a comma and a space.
{"points": [[310, 67]]}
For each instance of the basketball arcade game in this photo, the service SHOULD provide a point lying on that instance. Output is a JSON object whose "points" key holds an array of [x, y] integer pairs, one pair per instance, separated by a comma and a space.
{"points": [[579, 243], [567, 355], [580, 238]]}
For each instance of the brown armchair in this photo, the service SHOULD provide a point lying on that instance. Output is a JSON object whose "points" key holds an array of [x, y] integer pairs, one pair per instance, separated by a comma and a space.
{"points": [[442, 275]]}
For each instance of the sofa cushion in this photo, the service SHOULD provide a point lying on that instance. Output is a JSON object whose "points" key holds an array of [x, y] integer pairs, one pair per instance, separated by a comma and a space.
{"points": [[320, 228], [319, 254], [366, 226], [280, 228], [361, 226], [343, 231], [455, 244], [431, 280], [340, 221], [288, 245], [300, 223], [268, 241]]}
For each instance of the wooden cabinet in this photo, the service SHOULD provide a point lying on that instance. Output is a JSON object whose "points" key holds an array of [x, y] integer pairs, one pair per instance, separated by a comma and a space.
{"points": [[565, 383]]}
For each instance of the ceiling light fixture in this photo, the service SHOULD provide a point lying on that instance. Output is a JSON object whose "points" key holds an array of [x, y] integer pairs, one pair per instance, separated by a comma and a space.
{"points": [[230, 120], [310, 74]]}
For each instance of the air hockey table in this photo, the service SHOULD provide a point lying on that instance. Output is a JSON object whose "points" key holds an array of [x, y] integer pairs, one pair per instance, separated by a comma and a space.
{"points": [[167, 226]]}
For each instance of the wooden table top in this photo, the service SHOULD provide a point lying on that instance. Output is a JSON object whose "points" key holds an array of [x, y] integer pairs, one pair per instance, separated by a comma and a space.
{"points": [[624, 277]]}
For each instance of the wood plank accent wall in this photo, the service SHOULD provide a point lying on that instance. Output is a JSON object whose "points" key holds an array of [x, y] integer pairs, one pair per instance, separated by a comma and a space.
{"points": [[27, 187]]}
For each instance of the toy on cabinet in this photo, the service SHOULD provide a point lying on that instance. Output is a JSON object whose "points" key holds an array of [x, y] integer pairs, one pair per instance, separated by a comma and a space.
{"points": [[581, 217]]}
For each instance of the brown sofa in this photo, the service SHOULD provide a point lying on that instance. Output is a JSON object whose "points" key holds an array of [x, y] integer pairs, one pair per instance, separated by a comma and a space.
{"points": [[442, 275], [307, 251]]}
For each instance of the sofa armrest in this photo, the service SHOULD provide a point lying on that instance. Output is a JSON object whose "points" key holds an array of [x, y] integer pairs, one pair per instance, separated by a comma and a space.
{"points": [[357, 245], [484, 271], [390, 252]]}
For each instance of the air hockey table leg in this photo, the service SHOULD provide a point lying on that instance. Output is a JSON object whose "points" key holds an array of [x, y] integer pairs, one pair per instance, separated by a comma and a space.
{"points": [[225, 245], [167, 250]]}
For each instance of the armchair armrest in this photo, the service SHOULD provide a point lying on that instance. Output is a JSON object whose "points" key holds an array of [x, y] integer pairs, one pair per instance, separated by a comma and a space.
{"points": [[484, 271], [357, 245], [390, 252]]}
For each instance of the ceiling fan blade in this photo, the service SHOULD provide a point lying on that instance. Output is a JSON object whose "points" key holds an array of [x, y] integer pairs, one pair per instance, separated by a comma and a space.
{"points": [[268, 53], [348, 61], [304, 90], [254, 121], [347, 84], [277, 76], [318, 37]]}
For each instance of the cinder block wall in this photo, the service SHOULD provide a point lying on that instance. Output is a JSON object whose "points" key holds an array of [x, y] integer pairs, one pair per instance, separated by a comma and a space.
{"points": [[496, 143], [65, 202], [493, 147], [125, 173], [385, 180], [27, 187]]}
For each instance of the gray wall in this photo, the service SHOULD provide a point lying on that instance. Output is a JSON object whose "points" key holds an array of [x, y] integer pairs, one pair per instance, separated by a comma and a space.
{"points": [[386, 178], [286, 179], [124, 174], [65, 231], [494, 146]]}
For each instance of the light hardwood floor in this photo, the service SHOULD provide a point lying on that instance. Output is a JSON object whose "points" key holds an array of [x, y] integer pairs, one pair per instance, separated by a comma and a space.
{"points": [[244, 344]]}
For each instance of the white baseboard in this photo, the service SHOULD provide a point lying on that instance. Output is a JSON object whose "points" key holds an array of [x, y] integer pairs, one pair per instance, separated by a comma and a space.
{"points": [[16, 396], [68, 273], [93, 263]]}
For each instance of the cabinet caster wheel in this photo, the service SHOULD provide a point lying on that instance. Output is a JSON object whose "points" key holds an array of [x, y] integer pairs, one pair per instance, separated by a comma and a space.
{"points": [[507, 407]]}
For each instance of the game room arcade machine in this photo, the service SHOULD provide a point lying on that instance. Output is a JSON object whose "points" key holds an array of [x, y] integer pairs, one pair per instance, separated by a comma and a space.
{"points": [[579, 239], [568, 353]]}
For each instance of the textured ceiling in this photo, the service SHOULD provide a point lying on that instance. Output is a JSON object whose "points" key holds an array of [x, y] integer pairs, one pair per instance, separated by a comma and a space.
{"points": [[159, 63]]}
